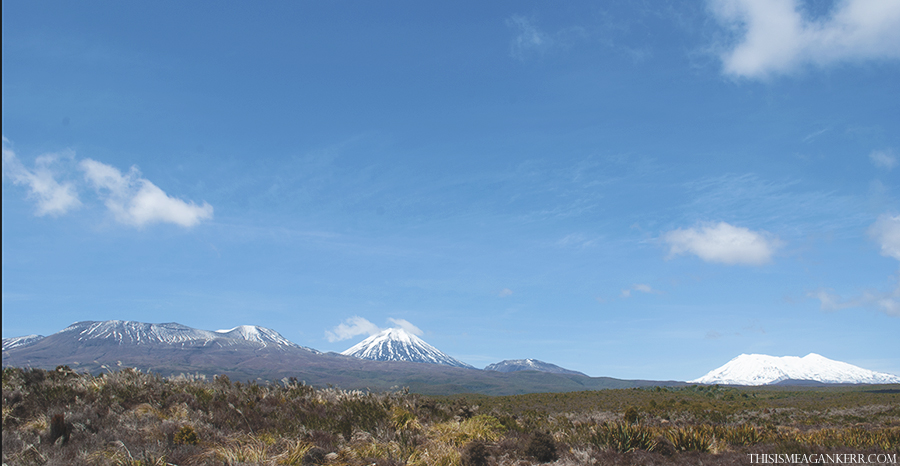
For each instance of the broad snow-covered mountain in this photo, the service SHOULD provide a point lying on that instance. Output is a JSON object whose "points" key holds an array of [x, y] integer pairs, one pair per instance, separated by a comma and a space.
{"points": [[396, 344], [128, 333], [516, 365], [760, 369]]}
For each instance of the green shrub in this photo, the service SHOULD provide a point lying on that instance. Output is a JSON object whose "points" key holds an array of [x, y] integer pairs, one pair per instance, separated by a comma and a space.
{"points": [[475, 453], [186, 436], [631, 415], [542, 447]]}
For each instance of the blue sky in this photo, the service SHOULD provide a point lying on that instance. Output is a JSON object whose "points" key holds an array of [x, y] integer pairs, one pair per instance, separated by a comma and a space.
{"points": [[627, 189]]}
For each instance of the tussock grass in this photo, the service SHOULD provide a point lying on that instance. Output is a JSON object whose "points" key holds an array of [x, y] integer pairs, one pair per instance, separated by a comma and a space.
{"points": [[131, 418]]}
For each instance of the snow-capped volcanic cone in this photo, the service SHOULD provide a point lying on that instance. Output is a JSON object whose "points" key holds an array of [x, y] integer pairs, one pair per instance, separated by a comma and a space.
{"points": [[760, 369], [396, 344]]}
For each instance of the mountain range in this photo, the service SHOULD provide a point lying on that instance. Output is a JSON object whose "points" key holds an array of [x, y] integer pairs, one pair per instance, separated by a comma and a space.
{"points": [[390, 359], [257, 353]]}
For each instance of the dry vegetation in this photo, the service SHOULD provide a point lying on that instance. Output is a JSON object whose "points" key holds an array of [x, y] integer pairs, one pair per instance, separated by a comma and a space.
{"points": [[132, 418]]}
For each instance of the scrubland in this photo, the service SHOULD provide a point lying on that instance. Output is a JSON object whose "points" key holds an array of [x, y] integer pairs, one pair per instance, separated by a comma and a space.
{"points": [[62, 417]]}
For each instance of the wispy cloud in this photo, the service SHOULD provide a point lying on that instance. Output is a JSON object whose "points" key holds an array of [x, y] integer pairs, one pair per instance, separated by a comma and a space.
{"points": [[505, 292], [883, 159], [639, 287], [136, 201], [886, 232], [723, 243], [528, 40], [357, 325], [763, 202], [52, 197], [406, 325], [350, 328], [577, 240], [776, 38], [884, 301], [132, 199]]}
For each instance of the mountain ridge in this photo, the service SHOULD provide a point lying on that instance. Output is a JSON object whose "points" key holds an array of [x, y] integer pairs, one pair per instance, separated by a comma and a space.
{"points": [[517, 365]]}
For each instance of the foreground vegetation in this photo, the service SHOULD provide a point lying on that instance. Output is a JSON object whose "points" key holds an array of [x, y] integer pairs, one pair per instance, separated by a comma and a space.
{"points": [[133, 418]]}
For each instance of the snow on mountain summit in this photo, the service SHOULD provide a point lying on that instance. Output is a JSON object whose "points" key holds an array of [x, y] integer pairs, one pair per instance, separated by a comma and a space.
{"points": [[516, 365], [125, 332], [262, 335], [16, 342], [761, 369], [396, 344]]}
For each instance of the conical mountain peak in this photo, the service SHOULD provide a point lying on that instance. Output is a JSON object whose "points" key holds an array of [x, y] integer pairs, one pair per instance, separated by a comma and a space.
{"points": [[396, 344]]}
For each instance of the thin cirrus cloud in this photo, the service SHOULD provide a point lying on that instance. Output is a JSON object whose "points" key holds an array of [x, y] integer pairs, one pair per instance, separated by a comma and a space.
{"points": [[723, 243], [132, 199], [776, 38], [886, 232], [887, 302], [530, 41], [528, 38], [883, 159], [356, 325]]}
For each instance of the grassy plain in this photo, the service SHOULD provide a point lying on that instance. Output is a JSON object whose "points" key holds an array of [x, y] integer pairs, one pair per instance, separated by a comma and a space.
{"points": [[133, 418]]}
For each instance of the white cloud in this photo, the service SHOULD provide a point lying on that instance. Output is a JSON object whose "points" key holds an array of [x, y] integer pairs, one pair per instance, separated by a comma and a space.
{"points": [[778, 39], [406, 325], [357, 325], [52, 197], [133, 200], [723, 243], [505, 292], [886, 231], [883, 159], [642, 288], [136, 201], [626, 293], [350, 328]]}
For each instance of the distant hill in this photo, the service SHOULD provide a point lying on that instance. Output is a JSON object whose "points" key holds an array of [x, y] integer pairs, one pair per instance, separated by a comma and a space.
{"points": [[517, 365], [257, 353]]}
